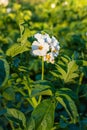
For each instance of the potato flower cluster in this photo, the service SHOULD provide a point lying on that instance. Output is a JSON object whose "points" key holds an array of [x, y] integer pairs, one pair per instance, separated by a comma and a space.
{"points": [[45, 46]]}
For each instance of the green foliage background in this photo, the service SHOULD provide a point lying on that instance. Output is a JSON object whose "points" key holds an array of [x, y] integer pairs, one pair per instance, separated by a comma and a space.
{"points": [[59, 101]]}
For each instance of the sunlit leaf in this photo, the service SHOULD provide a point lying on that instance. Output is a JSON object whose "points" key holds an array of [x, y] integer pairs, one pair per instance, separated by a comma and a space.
{"points": [[41, 90], [67, 72], [42, 117], [16, 49], [16, 116]]}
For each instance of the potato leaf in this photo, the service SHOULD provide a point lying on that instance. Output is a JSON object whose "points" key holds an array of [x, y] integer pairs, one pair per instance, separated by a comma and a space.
{"points": [[16, 49], [66, 72], [72, 107], [41, 90], [4, 71], [16, 116], [62, 95], [60, 100], [42, 118]]}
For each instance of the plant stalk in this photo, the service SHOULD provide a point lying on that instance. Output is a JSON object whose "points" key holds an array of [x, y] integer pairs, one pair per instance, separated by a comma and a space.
{"points": [[42, 68]]}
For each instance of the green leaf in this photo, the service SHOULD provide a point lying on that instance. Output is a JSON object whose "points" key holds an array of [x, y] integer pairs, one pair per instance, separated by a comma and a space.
{"points": [[42, 118], [31, 124], [65, 59], [55, 74], [84, 63], [4, 71], [61, 70], [66, 72], [16, 49], [81, 62], [72, 107], [16, 116], [71, 69], [41, 90], [9, 94], [68, 92], [60, 100]]}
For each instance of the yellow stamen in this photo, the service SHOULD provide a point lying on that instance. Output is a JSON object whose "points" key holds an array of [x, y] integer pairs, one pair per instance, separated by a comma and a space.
{"points": [[48, 57], [40, 47], [54, 50]]}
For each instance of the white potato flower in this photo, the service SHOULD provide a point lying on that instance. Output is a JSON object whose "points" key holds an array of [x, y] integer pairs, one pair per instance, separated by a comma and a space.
{"points": [[39, 49], [55, 51], [4, 2], [42, 37], [45, 46], [38, 36], [53, 5], [54, 45], [47, 38], [9, 10], [49, 57], [65, 3]]}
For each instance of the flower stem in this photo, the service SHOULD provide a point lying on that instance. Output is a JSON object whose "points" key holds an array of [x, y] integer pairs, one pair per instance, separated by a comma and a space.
{"points": [[42, 68]]}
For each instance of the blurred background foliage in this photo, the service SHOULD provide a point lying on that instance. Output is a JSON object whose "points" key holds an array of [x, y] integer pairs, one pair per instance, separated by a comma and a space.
{"points": [[67, 20]]}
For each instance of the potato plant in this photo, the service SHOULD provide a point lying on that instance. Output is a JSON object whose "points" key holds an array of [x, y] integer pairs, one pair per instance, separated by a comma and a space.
{"points": [[43, 65]]}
